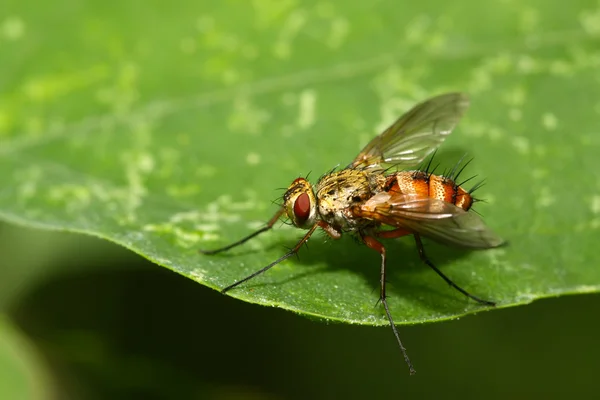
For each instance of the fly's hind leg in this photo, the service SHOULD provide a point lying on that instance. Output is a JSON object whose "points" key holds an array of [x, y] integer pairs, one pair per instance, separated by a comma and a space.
{"points": [[444, 277], [371, 242]]}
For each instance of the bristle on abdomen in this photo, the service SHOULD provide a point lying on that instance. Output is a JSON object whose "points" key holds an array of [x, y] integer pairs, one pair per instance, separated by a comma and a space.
{"points": [[426, 184]]}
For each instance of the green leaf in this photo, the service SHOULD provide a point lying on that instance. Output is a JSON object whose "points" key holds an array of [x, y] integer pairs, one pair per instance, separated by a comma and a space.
{"points": [[169, 128]]}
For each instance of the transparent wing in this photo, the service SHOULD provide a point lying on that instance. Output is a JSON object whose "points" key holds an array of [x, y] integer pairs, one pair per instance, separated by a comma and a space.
{"points": [[416, 134], [436, 219]]}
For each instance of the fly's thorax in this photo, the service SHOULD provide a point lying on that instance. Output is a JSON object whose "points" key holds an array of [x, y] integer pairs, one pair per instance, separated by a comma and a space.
{"points": [[426, 184], [300, 204], [336, 193]]}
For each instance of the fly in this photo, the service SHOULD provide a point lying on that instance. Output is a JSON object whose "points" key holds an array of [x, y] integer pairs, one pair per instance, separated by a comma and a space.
{"points": [[366, 199]]}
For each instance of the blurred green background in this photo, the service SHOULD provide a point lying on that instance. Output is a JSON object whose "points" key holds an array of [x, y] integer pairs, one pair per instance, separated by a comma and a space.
{"points": [[117, 116]]}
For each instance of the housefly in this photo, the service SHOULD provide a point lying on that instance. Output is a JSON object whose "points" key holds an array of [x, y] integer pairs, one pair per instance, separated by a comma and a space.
{"points": [[375, 197]]}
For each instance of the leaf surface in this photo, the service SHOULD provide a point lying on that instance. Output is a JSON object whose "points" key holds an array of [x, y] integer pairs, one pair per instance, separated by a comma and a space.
{"points": [[166, 129]]}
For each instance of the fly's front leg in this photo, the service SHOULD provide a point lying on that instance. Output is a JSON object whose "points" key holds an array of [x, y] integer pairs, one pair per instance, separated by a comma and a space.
{"points": [[287, 255], [265, 228], [371, 242], [331, 231]]}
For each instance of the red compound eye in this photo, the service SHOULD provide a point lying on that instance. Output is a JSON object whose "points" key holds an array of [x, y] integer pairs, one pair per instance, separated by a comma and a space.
{"points": [[302, 207]]}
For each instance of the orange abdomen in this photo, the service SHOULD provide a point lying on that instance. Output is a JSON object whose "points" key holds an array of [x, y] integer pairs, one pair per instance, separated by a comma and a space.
{"points": [[426, 184]]}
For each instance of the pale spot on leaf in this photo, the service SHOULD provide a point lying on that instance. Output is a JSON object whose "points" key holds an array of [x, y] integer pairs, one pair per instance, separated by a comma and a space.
{"points": [[182, 190], [71, 196], [515, 96], [339, 30], [417, 29], [546, 198], [521, 143], [290, 29], [595, 204], [205, 171], [230, 76], [12, 28], [306, 117], [549, 121], [247, 117], [527, 65], [539, 173], [561, 68], [590, 22], [198, 274], [515, 114], [253, 158], [529, 19]]}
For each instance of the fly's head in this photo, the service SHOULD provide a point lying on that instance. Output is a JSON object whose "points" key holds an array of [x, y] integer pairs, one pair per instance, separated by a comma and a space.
{"points": [[300, 204]]}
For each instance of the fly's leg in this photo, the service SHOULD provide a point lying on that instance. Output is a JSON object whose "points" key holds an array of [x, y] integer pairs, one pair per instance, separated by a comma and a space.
{"points": [[331, 231], [377, 246], [393, 234], [265, 228], [287, 255], [444, 277]]}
